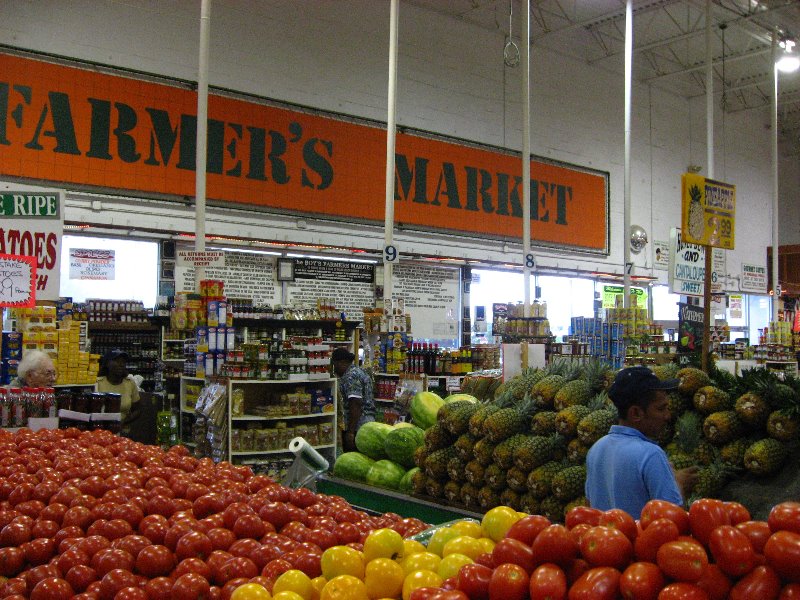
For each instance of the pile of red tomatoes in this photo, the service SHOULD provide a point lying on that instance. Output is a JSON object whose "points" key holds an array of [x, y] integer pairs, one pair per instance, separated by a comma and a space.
{"points": [[91, 515]]}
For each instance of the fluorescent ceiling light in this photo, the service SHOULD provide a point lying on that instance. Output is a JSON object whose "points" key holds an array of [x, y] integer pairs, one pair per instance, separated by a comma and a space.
{"points": [[789, 62]]}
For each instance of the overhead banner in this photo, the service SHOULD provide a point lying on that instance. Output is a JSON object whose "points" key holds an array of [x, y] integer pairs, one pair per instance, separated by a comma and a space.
{"points": [[81, 126], [708, 211], [17, 281], [88, 264], [31, 225]]}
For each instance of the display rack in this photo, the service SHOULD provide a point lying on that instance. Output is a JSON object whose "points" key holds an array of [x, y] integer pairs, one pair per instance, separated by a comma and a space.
{"points": [[189, 391]]}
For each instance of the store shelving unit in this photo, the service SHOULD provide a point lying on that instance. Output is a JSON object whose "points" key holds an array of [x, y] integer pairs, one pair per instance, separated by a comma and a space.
{"points": [[140, 340], [189, 391]]}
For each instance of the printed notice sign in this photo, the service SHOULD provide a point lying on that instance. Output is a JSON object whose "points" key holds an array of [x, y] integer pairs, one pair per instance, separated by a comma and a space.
{"points": [[17, 280], [88, 264], [190, 258], [661, 255], [754, 278], [687, 266]]}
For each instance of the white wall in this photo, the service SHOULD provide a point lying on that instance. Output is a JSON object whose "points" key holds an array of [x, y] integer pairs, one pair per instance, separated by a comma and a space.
{"points": [[333, 55]]}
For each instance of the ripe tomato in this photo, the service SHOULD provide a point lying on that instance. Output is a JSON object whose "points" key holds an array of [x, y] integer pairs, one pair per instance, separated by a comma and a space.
{"points": [[11, 561], [682, 560], [715, 583], [250, 591], [432, 593], [114, 581], [782, 552], [345, 587], [582, 514], [662, 509], [705, 515], [80, 577], [509, 582], [762, 583], [383, 543], [154, 561], [658, 532], [737, 511], [682, 590], [109, 559], [235, 568], [785, 516], [600, 583], [473, 580], [554, 544], [641, 581], [383, 578], [190, 587], [497, 521], [731, 550], [757, 532], [790, 591], [527, 528], [194, 544], [510, 550], [548, 581], [619, 519], [52, 588], [606, 547], [341, 560]]}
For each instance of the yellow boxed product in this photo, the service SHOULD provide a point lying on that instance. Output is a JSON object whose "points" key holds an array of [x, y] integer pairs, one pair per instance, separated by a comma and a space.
{"points": [[51, 337]]}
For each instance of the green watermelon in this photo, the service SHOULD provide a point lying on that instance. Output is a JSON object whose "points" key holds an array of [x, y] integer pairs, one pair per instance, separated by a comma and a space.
{"points": [[400, 424], [385, 474], [460, 398], [401, 442], [370, 438], [424, 407], [405, 485], [353, 465]]}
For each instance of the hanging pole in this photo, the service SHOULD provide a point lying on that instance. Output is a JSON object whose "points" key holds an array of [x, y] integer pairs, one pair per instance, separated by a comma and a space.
{"points": [[526, 162], [627, 189], [202, 139], [710, 171], [391, 135], [775, 231]]}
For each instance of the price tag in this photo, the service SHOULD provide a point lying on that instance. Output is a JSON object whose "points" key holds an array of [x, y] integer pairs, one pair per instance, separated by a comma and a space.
{"points": [[391, 254], [453, 384], [530, 261]]}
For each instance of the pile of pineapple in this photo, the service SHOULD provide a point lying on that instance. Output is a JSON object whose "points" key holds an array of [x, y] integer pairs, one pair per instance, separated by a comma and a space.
{"points": [[526, 448], [730, 426]]}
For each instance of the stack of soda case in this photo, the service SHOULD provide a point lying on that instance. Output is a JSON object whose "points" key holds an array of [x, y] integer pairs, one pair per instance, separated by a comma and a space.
{"points": [[605, 339], [87, 410]]}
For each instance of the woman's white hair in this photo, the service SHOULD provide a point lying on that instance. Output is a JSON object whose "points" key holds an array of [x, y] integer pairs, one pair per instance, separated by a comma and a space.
{"points": [[31, 360]]}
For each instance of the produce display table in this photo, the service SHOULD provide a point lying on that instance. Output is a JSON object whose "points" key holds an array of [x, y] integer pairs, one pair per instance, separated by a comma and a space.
{"points": [[382, 500]]}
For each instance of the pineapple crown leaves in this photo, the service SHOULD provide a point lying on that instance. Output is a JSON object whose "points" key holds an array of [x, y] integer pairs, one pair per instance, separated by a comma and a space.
{"points": [[688, 431], [695, 194], [602, 402], [594, 373]]}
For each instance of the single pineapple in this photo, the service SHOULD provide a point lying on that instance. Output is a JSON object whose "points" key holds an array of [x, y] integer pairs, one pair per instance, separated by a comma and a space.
{"points": [[677, 404], [710, 480], [469, 494], [479, 416], [512, 498], [577, 451], [420, 454], [457, 421], [495, 477], [418, 482], [597, 423], [434, 488], [535, 450], [753, 409], [437, 437], [567, 420], [765, 456], [544, 391], [508, 421], [474, 472], [464, 446], [552, 508], [691, 380], [445, 413], [568, 484], [516, 479], [452, 492], [456, 469], [710, 399], [680, 460], [503, 453], [706, 453], [732, 453], [722, 427], [540, 478], [667, 371], [696, 219], [688, 432], [483, 451], [436, 463], [488, 498], [543, 422], [782, 425], [577, 391], [529, 504]]}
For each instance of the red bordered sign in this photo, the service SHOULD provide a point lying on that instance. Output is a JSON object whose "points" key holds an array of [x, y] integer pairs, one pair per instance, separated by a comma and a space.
{"points": [[17, 281]]}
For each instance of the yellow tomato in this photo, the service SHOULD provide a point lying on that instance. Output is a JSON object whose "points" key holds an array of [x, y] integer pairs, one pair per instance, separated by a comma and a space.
{"points": [[383, 543], [487, 543], [470, 528], [251, 591], [412, 547], [497, 521], [342, 560], [383, 578], [418, 579], [344, 587], [296, 581], [316, 587], [421, 560], [463, 544], [287, 595], [451, 565], [440, 537]]}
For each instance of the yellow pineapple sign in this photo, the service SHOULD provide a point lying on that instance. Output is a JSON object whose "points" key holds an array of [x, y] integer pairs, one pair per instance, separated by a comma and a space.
{"points": [[708, 211]]}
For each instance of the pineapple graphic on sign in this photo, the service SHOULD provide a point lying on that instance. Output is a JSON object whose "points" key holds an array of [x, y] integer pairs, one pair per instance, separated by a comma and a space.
{"points": [[696, 221]]}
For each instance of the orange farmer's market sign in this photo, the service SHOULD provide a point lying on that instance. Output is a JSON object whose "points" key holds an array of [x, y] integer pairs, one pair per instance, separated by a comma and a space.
{"points": [[67, 124]]}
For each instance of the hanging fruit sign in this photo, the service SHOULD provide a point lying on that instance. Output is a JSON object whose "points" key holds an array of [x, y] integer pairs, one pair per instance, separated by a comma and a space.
{"points": [[708, 211]]}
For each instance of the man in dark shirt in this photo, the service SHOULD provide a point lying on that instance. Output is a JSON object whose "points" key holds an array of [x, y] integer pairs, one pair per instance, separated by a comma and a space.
{"points": [[356, 402]]}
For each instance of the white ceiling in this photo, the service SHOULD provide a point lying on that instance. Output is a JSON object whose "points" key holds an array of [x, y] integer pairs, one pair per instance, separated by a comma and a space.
{"points": [[669, 43]]}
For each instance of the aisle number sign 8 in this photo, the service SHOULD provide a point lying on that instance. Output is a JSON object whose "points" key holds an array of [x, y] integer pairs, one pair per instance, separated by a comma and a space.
{"points": [[530, 261], [390, 254]]}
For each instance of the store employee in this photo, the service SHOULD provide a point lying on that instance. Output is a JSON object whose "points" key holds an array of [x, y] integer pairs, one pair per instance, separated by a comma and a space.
{"points": [[356, 402], [114, 378]]}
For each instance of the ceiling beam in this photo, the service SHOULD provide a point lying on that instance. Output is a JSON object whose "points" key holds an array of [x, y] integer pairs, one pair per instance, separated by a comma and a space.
{"points": [[699, 66]]}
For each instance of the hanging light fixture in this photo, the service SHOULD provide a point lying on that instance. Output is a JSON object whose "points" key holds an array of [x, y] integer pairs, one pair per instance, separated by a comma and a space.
{"points": [[789, 61]]}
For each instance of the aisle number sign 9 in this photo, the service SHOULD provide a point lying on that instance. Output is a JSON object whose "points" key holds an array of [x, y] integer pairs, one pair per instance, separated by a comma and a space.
{"points": [[708, 212], [391, 254]]}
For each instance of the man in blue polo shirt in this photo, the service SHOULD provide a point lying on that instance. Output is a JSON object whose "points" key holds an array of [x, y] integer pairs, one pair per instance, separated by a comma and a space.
{"points": [[626, 468]]}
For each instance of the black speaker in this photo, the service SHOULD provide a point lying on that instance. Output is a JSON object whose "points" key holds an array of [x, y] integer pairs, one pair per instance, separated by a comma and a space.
{"points": [[168, 249]]}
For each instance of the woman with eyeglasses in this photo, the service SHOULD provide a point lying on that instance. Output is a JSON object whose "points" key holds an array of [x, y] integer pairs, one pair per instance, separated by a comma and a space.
{"points": [[36, 369]]}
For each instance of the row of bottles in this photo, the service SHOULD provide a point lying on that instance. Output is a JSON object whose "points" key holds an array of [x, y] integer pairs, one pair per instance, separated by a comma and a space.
{"points": [[428, 359]]}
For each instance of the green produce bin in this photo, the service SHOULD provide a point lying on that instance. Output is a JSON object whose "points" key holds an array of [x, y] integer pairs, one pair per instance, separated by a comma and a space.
{"points": [[381, 500]]}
